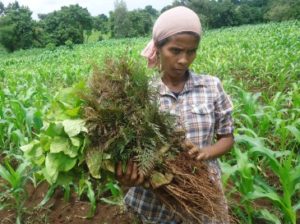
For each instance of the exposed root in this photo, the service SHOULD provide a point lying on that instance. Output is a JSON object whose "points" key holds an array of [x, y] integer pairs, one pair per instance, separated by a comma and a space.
{"points": [[192, 194]]}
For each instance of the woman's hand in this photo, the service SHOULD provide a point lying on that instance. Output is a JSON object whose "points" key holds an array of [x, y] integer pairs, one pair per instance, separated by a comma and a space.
{"points": [[195, 153], [132, 176], [223, 145]]}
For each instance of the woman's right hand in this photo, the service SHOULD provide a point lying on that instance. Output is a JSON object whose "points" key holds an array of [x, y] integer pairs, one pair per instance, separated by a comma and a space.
{"points": [[132, 176]]}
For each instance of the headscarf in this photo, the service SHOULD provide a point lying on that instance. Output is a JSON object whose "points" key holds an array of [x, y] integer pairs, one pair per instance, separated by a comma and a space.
{"points": [[175, 20]]}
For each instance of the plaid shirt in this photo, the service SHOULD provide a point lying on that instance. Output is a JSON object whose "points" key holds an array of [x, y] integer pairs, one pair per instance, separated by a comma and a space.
{"points": [[203, 109]]}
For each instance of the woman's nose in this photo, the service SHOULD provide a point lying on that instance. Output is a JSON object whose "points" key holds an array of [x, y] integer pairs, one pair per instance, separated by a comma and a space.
{"points": [[183, 59]]}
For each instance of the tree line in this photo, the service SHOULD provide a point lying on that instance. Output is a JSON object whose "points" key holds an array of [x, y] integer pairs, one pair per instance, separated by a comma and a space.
{"points": [[70, 24]]}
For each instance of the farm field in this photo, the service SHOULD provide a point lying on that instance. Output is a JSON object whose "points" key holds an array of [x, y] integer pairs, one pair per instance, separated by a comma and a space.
{"points": [[259, 66]]}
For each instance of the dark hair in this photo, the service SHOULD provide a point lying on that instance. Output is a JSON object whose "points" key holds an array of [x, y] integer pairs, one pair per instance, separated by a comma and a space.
{"points": [[161, 43]]}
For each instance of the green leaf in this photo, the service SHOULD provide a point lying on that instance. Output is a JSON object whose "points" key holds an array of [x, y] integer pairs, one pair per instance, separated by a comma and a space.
{"points": [[295, 131], [27, 148], [48, 195], [71, 151], [114, 189], [108, 165], [50, 173], [45, 141], [68, 97], [94, 158], [75, 141], [17, 137], [74, 127], [91, 196], [54, 129], [270, 194], [158, 179], [296, 207], [227, 171], [110, 201], [56, 162], [74, 112], [271, 156], [5, 174], [252, 141], [59, 144], [266, 215]]}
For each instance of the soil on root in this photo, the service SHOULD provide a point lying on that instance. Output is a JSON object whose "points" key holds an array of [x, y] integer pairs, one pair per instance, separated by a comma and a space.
{"points": [[59, 211]]}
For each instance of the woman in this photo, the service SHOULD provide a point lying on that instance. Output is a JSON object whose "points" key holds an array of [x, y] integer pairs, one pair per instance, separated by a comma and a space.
{"points": [[199, 102]]}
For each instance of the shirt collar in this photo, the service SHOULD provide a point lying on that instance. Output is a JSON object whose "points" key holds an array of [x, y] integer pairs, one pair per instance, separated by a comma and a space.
{"points": [[193, 81]]}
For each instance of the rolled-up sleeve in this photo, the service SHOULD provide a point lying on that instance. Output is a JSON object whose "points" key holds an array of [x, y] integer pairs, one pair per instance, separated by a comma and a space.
{"points": [[223, 111]]}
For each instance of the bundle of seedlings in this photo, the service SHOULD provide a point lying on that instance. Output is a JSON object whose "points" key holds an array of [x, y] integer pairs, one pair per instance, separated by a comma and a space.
{"points": [[124, 122]]}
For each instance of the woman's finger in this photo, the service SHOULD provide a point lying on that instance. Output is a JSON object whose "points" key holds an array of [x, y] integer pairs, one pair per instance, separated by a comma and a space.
{"points": [[134, 173], [119, 169], [203, 155], [140, 179], [193, 152], [200, 156], [129, 169], [188, 144]]}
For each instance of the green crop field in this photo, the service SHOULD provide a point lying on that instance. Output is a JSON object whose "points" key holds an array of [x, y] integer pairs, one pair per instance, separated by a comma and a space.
{"points": [[259, 66]]}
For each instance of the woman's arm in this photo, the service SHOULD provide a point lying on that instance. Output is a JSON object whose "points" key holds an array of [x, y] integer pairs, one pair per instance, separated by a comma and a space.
{"points": [[223, 145]]}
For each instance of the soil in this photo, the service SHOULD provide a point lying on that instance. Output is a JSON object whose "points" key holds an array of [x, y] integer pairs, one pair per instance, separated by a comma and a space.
{"points": [[59, 211]]}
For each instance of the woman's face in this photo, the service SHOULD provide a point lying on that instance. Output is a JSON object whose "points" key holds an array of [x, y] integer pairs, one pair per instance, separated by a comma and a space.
{"points": [[177, 54]]}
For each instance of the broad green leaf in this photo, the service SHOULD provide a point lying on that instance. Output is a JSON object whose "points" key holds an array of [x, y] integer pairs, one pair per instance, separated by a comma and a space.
{"points": [[71, 151], [54, 129], [56, 162], [45, 141], [50, 172], [64, 179], [59, 144], [68, 97], [27, 148], [94, 158], [74, 127], [75, 141], [34, 152], [74, 112]]}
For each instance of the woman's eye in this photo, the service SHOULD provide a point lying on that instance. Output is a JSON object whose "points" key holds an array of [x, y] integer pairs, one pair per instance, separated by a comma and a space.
{"points": [[175, 51], [191, 52]]}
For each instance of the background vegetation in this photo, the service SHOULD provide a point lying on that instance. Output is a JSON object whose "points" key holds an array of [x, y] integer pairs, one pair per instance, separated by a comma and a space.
{"points": [[68, 25], [258, 64]]}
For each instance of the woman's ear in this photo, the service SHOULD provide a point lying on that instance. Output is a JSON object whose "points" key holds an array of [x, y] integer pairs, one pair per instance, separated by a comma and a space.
{"points": [[158, 61], [157, 53]]}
